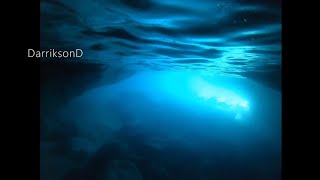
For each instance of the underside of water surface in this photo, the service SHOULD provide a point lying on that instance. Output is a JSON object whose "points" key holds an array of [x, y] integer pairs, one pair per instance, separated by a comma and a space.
{"points": [[165, 90]]}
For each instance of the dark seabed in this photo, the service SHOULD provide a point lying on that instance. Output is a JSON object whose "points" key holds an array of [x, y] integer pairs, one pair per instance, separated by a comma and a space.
{"points": [[166, 90]]}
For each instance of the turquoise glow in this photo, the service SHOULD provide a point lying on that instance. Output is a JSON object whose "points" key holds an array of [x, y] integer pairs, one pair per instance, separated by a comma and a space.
{"points": [[198, 91], [221, 98]]}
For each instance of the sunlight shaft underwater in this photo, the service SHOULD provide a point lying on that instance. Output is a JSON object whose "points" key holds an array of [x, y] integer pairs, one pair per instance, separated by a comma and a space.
{"points": [[165, 90], [167, 119]]}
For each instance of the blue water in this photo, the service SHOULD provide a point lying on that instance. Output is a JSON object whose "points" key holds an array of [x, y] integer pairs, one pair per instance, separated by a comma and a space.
{"points": [[166, 90], [214, 36]]}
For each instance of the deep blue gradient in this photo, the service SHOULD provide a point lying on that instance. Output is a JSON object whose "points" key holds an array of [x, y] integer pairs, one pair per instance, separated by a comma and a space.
{"points": [[164, 114], [166, 90]]}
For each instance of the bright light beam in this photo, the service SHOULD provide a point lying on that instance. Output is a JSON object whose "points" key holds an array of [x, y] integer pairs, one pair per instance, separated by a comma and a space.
{"points": [[224, 99]]}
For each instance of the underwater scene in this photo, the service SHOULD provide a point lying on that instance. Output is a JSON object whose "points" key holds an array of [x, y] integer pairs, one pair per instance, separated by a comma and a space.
{"points": [[163, 90]]}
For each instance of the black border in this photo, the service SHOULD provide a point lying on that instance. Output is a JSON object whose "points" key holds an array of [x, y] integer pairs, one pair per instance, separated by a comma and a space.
{"points": [[297, 73], [22, 120]]}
